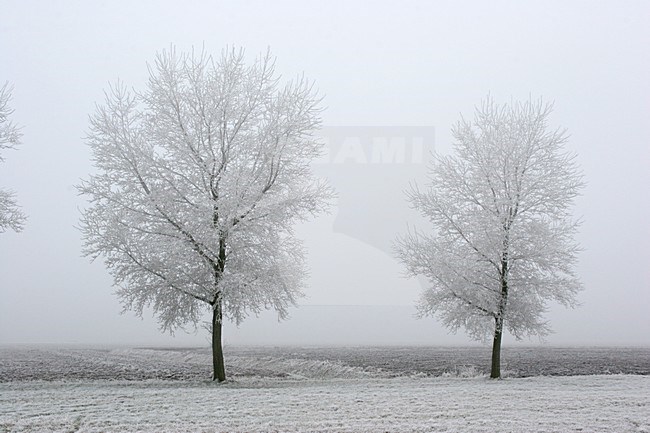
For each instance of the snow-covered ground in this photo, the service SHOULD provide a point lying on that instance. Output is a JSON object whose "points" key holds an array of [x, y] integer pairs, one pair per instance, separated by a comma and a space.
{"points": [[309, 390], [616, 403], [96, 363]]}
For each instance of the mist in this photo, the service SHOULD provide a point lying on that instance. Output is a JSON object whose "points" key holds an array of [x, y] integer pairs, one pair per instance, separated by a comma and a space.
{"points": [[398, 72]]}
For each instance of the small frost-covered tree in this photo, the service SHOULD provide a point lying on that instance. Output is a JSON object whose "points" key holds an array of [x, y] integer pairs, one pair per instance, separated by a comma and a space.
{"points": [[502, 242], [11, 216], [199, 179]]}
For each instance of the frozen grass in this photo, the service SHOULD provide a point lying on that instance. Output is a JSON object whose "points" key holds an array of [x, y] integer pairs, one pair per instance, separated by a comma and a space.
{"points": [[616, 403], [90, 363], [292, 390]]}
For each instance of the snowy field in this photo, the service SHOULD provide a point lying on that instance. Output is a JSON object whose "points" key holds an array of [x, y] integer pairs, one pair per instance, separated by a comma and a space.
{"points": [[298, 391], [544, 404]]}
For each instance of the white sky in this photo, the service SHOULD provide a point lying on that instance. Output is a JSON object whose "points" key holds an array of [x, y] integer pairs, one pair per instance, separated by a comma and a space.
{"points": [[394, 64]]}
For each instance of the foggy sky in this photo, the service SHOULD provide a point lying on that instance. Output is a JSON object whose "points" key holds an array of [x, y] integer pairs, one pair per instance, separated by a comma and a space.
{"points": [[380, 64]]}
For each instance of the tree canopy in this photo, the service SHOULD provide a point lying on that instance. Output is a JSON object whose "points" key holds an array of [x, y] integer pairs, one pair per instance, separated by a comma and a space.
{"points": [[11, 217], [501, 244], [200, 178]]}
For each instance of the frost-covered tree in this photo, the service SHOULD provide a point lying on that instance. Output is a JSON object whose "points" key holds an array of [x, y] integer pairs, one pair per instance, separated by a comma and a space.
{"points": [[199, 180], [11, 216], [502, 242]]}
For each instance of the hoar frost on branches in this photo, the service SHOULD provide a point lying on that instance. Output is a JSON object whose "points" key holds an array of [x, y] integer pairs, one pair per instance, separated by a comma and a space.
{"points": [[11, 216], [200, 178], [502, 243]]}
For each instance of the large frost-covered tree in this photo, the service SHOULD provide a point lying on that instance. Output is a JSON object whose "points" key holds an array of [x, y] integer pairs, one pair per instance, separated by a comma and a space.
{"points": [[199, 180], [11, 216], [502, 242]]}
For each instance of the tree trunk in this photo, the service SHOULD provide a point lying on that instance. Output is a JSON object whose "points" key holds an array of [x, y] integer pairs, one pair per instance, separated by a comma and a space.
{"points": [[495, 373], [217, 351]]}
